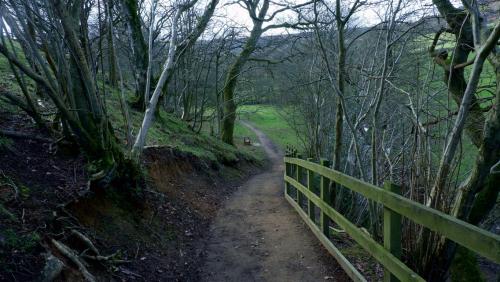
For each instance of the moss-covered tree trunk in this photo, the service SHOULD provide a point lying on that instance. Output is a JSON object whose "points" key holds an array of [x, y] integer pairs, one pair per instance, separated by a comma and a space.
{"points": [[229, 104], [91, 126], [139, 47], [71, 86], [474, 198], [113, 76], [454, 77]]}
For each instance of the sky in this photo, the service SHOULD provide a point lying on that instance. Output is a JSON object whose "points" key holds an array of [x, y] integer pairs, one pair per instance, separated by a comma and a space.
{"points": [[367, 16]]}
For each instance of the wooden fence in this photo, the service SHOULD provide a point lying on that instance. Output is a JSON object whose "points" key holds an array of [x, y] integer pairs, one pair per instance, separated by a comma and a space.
{"points": [[300, 188]]}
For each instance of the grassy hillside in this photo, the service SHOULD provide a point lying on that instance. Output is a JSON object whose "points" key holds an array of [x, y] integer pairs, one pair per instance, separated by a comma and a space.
{"points": [[270, 120], [167, 129], [189, 174], [170, 130]]}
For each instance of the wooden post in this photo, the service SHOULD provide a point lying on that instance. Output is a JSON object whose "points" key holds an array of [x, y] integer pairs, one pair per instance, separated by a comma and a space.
{"points": [[293, 173], [287, 173], [310, 186], [392, 231], [299, 173], [325, 183]]}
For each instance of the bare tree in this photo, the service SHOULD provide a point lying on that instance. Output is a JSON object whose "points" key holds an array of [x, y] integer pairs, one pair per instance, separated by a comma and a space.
{"points": [[258, 12], [175, 50]]}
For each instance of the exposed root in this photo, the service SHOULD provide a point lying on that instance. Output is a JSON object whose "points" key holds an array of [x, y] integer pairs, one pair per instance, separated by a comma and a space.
{"points": [[67, 252], [54, 266], [86, 241], [110, 258]]}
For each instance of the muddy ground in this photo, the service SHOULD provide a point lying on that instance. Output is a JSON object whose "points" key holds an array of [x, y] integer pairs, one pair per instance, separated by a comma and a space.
{"points": [[194, 220], [257, 236]]}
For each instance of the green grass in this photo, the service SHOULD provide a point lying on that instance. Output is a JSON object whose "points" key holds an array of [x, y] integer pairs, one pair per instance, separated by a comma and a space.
{"points": [[467, 152], [270, 120], [170, 130], [267, 118], [241, 131], [166, 130]]}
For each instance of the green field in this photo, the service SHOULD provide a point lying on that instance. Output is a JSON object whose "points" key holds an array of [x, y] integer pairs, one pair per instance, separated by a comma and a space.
{"points": [[268, 119]]}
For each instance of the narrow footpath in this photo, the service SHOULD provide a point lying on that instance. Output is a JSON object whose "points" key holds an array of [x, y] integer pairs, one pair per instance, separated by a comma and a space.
{"points": [[257, 236]]}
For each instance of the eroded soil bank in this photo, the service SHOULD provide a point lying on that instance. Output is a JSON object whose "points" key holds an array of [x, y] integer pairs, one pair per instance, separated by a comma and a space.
{"points": [[194, 220], [159, 237]]}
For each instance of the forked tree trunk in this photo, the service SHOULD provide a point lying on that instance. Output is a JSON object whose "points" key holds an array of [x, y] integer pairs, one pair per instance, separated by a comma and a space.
{"points": [[477, 196], [150, 109], [229, 105], [168, 68]]}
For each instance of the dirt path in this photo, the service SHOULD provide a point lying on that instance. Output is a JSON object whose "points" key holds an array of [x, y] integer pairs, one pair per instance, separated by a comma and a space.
{"points": [[257, 236]]}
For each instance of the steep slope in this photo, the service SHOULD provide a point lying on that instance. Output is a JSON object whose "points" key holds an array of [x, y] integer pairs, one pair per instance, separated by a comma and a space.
{"points": [[151, 233]]}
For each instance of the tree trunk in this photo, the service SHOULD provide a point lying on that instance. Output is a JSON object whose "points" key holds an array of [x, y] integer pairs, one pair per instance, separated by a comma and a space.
{"points": [[229, 106], [169, 67], [139, 49], [339, 115], [150, 52], [113, 79], [454, 78], [477, 196]]}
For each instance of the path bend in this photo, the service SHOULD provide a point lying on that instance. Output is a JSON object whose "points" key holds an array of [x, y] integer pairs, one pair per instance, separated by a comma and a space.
{"points": [[257, 236]]}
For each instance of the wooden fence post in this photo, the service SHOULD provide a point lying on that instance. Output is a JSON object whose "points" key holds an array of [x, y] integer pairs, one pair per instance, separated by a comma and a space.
{"points": [[310, 186], [392, 231], [293, 174], [299, 175], [288, 171], [324, 186]]}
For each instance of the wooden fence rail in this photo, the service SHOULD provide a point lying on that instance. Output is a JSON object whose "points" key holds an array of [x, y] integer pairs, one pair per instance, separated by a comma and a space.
{"points": [[300, 188]]}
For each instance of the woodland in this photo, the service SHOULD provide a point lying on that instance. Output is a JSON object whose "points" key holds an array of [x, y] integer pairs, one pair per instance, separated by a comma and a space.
{"points": [[107, 105]]}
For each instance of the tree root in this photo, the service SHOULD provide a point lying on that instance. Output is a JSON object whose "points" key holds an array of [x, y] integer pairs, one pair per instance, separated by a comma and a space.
{"points": [[67, 252], [86, 241], [110, 258], [54, 266]]}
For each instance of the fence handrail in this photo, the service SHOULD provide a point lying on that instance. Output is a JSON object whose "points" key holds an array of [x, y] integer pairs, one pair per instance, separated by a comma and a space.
{"points": [[389, 261], [472, 237]]}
